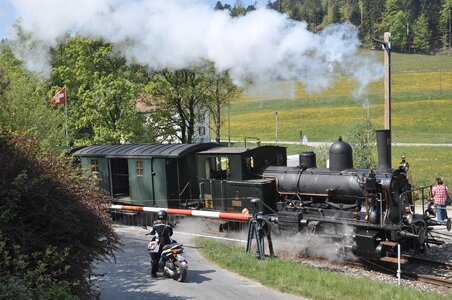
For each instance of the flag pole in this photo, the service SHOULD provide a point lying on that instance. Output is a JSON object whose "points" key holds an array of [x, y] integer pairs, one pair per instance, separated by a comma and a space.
{"points": [[67, 127]]}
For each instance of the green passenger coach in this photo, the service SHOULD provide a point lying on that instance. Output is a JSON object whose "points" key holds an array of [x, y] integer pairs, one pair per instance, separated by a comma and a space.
{"points": [[151, 175]]}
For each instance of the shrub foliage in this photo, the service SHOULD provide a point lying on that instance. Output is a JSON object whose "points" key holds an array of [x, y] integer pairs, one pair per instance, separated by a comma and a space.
{"points": [[53, 223]]}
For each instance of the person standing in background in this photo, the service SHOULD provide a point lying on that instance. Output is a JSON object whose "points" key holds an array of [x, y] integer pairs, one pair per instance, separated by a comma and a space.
{"points": [[440, 192]]}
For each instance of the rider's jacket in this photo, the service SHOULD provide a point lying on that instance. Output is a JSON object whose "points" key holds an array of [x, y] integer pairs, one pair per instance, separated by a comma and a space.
{"points": [[162, 232]]}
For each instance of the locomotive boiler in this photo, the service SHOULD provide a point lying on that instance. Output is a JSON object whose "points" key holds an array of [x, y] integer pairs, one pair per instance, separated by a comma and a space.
{"points": [[368, 211]]}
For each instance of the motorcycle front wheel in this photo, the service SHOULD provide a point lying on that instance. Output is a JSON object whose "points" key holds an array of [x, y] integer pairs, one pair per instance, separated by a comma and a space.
{"points": [[181, 272]]}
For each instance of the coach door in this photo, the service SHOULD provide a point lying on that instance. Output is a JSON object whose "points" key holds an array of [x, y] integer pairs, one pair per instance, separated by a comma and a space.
{"points": [[120, 178]]}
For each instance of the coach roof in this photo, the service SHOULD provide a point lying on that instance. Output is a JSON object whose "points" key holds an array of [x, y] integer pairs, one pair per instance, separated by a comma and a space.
{"points": [[143, 150]]}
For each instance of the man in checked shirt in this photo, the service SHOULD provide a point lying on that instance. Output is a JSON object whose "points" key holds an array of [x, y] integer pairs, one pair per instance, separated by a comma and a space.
{"points": [[439, 194]]}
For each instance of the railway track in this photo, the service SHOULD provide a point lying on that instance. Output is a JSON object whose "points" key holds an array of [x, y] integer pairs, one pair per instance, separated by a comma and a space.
{"points": [[391, 269], [426, 261], [429, 279], [415, 262]]}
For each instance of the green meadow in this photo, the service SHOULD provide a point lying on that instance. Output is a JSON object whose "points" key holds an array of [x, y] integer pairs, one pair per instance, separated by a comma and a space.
{"points": [[421, 105], [421, 112]]}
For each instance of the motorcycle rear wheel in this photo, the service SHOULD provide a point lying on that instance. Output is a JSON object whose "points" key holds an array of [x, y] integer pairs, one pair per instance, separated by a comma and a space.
{"points": [[181, 273]]}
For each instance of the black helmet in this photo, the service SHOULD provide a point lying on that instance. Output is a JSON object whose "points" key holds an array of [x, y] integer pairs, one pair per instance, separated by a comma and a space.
{"points": [[162, 215]]}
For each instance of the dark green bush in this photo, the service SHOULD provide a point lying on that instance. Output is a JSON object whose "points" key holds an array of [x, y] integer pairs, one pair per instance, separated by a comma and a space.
{"points": [[53, 223]]}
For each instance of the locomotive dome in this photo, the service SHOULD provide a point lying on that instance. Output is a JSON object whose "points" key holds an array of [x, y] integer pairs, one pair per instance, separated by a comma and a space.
{"points": [[341, 156]]}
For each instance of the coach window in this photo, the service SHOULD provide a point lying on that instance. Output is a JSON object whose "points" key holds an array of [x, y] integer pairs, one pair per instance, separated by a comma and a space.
{"points": [[139, 168], [94, 165]]}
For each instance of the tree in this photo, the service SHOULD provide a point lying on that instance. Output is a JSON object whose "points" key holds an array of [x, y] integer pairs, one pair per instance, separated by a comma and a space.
{"points": [[219, 6], [361, 136], [314, 13], [333, 15], [371, 13], [350, 11], [238, 9], [24, 103], [421, 34], [395, 21], [180, 98], [54, 223], [102, 90], [445, 23], [431, 10], [220, 93]]}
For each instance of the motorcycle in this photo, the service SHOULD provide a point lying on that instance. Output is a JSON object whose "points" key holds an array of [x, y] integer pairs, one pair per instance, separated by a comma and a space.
{"points": [[172, 262]]}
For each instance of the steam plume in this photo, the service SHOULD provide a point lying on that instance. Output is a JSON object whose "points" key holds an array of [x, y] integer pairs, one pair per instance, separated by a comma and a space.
{"points": [[264, 45]]}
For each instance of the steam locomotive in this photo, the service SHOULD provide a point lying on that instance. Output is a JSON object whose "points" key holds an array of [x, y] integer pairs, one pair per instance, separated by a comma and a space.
{"points": [[368, 212]]}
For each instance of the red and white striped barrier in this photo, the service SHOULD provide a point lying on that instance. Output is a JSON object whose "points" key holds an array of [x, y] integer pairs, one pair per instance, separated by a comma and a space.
{"points": [[244, 216]]}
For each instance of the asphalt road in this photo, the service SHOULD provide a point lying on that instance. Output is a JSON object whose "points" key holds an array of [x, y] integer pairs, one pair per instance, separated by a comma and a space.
{"points": [[130, 276]]}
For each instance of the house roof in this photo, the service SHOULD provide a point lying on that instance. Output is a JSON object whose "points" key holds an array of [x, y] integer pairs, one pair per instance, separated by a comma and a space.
{"points": [[142, 150], [142, 107]]}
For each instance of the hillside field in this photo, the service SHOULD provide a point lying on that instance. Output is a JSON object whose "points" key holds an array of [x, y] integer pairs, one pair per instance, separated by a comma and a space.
{"points": [[421, 112]]}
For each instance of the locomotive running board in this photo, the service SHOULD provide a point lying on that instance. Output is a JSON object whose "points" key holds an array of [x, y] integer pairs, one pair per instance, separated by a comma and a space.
{"points": [[393, 260], [388, 243]]}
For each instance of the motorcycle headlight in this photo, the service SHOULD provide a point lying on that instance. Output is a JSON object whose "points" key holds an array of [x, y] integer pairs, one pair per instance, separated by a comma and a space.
{"points": [[181, 257]]}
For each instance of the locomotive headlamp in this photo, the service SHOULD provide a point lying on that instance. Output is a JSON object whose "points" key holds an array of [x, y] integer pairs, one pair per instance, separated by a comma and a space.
{"points": [[407, 219], [404, 166]]}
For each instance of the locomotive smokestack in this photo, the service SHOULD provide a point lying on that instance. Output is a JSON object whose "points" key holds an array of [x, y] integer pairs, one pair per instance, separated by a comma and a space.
{"points": [[384, 149]]}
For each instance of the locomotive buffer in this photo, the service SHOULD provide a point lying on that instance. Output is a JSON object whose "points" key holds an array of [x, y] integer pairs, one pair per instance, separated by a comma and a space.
{"points": [[259, 229]]}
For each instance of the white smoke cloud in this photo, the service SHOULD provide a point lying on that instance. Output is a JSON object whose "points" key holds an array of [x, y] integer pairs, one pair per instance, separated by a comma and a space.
{"points": [[262, 46]]}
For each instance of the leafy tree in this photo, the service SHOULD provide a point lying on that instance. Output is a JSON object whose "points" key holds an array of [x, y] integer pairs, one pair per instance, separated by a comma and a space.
{"points": [[421, 34], [350, 11], [53, 223], [219, 94], [361, 136], [395, 21], [445, 24], [102, 91], [431, 10], [219, 6], [24, 103], [180, 98], [314, 13], [371, 14], [333, 12]]}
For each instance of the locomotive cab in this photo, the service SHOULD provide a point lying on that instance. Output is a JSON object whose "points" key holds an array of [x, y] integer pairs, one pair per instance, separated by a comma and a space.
{"points": [[228, 177]]}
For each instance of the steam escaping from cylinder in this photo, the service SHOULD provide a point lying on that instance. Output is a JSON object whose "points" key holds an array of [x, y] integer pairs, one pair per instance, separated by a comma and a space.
{"points": [[262, 46]]}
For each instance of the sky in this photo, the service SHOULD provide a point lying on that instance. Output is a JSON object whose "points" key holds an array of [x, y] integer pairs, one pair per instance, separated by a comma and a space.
{"points": [[8, 15]]}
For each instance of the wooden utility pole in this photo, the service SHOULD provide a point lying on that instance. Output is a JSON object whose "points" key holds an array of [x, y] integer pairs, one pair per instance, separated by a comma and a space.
{"points": [[387, 79]]}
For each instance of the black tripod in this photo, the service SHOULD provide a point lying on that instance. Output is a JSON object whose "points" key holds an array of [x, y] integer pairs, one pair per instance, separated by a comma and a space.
{"points": [[259, 229]]}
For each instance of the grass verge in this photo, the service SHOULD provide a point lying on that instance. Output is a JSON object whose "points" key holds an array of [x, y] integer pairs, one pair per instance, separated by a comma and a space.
{"points": [[301, 280]]}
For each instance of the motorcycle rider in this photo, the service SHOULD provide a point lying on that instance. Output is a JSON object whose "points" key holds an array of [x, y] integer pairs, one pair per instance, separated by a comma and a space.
{"points": [[162, 232]]}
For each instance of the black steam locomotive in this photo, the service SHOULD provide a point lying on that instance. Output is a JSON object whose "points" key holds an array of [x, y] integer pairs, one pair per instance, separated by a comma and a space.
{"points": [[368, 212]]}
